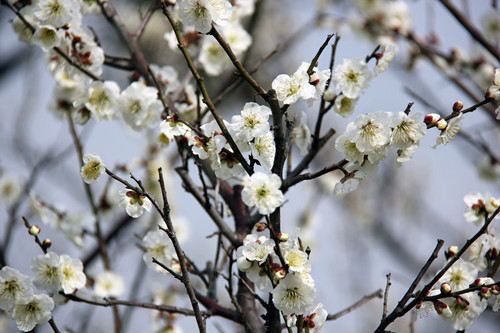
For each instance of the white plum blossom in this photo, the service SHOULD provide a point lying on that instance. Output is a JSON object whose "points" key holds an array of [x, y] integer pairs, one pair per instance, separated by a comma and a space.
{"points": [[465, 310], [170, 128], [47, 37], [158, 246], [293, 295], [134, 203], [139, 106], [13, 287], [47, 270], [482, 249], [387, 57], [478, 205], [102, 99], [317, 79], [352, 77], [58, 12], [289, 89], [167, 76], [449, 132], [302, 135], [93, 168], [32, 310], [490, 24], [263, 191], [109, 284], [201, 13], [370, 131], [407, 132], [72, 274], [24, 33], [460, 275], [356, 174], [256, 249], [344, 106], [211, 145], [263, 149], [11, 188], [251, 122], [313, 322]]}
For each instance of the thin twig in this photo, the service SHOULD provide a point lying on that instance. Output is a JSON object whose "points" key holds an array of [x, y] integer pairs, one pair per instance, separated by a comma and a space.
{"points": [[386, 295], [364, 300]]}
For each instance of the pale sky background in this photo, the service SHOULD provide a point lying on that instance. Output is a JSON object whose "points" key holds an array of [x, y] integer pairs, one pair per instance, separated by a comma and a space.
{"points": [[347, 264]]}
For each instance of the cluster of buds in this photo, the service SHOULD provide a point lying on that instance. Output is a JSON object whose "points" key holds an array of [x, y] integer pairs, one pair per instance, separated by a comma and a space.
{"points": [[488, 288], [431, 119]]}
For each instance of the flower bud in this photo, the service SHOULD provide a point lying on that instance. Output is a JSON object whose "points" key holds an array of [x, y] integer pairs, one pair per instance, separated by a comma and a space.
{"points": [[458, 106], [46, 243], [261, 226], [462, 303], [82, 116], [176, 267], [431, 118], [451, 252], [495, 290], [486, 292], [282, 236], [34, 230], [442, 309], [482, 281], [445, 288], [329, 95], [441, 124], [280, 273]]}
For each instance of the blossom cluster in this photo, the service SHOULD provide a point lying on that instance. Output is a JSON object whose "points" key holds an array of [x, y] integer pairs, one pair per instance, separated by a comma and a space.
{"points": [[368, 139], [462, 310], [285, 273], [52, 273]]}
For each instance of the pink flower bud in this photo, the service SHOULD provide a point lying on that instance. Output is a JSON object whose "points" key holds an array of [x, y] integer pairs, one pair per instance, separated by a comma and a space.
{"points": [[446, 288], [282, 236], [451, 252], [458, 106], [261, 226], [495, 290], [486, 292], [431, 118], [46, 243], [482, 281], [442, 309], [280, 273], [462, 303], [34, 230], [441, 124]]}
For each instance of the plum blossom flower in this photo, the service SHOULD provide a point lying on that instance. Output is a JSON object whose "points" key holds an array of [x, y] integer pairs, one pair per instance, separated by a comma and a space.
{"points": [[465, 310], [32, 310], [251, 122], [201, 13], [344, 106], [449, 132], [387, 57], [134, 203], [158, 246], [72, 274], [47, 270], [93, 168], [264, 150], [102, 99], [289, 89], [352, 77], [293, 295], [460, 275], [302, 135], [58, 12], [109, 284], [263, 191], [13, 287], [139, 106]]}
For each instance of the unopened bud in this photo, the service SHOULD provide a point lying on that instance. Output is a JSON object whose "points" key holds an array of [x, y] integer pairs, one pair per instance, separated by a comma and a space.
{"points": [[451, 252], [34, 230], [446, 288], [46, 243], [486, 292], [431, 118], [282, 236], [176, 267], [458, 106], [280, 273], [329, 95], [482, 281], [495, 290], [442, 309], [314, 79], [261, 226], [462, 303], [441, 124], [82, 116]]}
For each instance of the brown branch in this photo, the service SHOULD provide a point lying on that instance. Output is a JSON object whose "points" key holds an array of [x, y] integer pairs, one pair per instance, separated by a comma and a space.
{"points": [[361, 302]]}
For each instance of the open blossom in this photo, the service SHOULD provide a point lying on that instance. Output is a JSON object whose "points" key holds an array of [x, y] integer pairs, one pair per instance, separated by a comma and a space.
{"points": [[72, 274], [47, 37], [256, 249], [92, 169], [460, 275], [170, 128], [58, 12], [293, 295], [263, 149], [289, 89], [449, 132], [109, 284], [158, 246], [484, 248], [352, 77], [251, 122], [370, 131], [201, 13], [465, 309], [47, 270], [478, 205], [313, 322], [302, 135], [387, 56], [13, 287], [102, 99], [134, 203], [139, 106], [32, 310], [344, 106], [263, 191]]}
